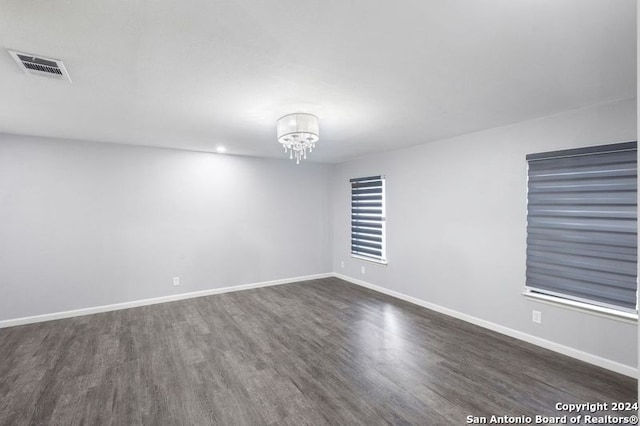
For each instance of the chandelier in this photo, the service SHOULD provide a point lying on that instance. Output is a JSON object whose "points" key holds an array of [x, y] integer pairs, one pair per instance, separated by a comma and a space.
{"points": [[298, 133]]}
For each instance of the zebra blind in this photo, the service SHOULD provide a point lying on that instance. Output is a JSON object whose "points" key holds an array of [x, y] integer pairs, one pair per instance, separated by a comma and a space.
{"points": [[368, 218], [582, 225]]}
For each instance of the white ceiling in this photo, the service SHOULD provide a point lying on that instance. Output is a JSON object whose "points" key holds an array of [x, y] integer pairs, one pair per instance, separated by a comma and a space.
{"points": [[379, 74]]}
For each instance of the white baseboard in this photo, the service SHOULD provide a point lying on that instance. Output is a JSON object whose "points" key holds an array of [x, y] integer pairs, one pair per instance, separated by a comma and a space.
{"points": [[547, 344], [153, 301], [556, 347]]}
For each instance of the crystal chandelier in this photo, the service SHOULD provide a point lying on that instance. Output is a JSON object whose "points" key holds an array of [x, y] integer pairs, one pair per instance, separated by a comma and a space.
{"points": [[298, 133]]}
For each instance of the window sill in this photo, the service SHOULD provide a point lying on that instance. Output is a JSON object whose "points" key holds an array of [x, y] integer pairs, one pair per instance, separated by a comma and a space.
{"points": [[612, 314], [377, 262]]}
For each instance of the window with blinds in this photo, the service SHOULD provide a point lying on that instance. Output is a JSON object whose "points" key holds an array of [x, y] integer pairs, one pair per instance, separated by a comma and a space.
{"points": [[582, 225], [368, 218]]}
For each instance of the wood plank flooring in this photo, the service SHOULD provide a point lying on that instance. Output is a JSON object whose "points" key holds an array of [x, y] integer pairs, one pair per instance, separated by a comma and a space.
{"points": [[313, 353]]}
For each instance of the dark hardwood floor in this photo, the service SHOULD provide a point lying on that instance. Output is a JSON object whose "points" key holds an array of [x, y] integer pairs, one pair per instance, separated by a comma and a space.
{"points": [[313, 353]]}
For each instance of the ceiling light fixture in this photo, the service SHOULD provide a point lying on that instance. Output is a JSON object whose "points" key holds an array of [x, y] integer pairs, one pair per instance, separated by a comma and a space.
{"points": [[221, 149], [298, 133]]}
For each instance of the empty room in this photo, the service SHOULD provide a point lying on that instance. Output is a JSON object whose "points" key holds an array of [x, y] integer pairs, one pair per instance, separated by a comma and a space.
{"points": [[248, 212]]}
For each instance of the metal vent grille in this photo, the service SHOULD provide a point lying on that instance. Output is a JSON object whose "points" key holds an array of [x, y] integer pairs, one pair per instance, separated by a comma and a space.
{"points": [[40, 66]]}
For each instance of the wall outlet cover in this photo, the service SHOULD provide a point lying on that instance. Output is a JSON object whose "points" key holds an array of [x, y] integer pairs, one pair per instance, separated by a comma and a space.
{"points": [[536, 317]]}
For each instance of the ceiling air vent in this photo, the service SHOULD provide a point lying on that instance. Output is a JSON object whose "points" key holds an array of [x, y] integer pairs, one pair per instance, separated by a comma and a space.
{"points": [[41, 66]]}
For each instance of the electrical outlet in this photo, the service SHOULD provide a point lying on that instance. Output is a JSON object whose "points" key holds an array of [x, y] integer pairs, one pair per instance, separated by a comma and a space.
{"points": [[342, 264], [536, 317], [176, 280], [362, 270]]}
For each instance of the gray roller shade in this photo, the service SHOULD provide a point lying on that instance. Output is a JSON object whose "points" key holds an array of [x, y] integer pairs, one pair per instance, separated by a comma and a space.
{"points": [[582, 225], [367, 218]]}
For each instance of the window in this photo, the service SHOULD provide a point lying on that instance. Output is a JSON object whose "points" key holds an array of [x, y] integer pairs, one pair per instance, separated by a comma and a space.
{"points": [[582, 225], [368, 218]]}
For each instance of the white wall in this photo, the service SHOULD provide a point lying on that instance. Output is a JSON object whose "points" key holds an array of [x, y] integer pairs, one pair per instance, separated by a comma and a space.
{"points": [[86, 224], [456, 225]]}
